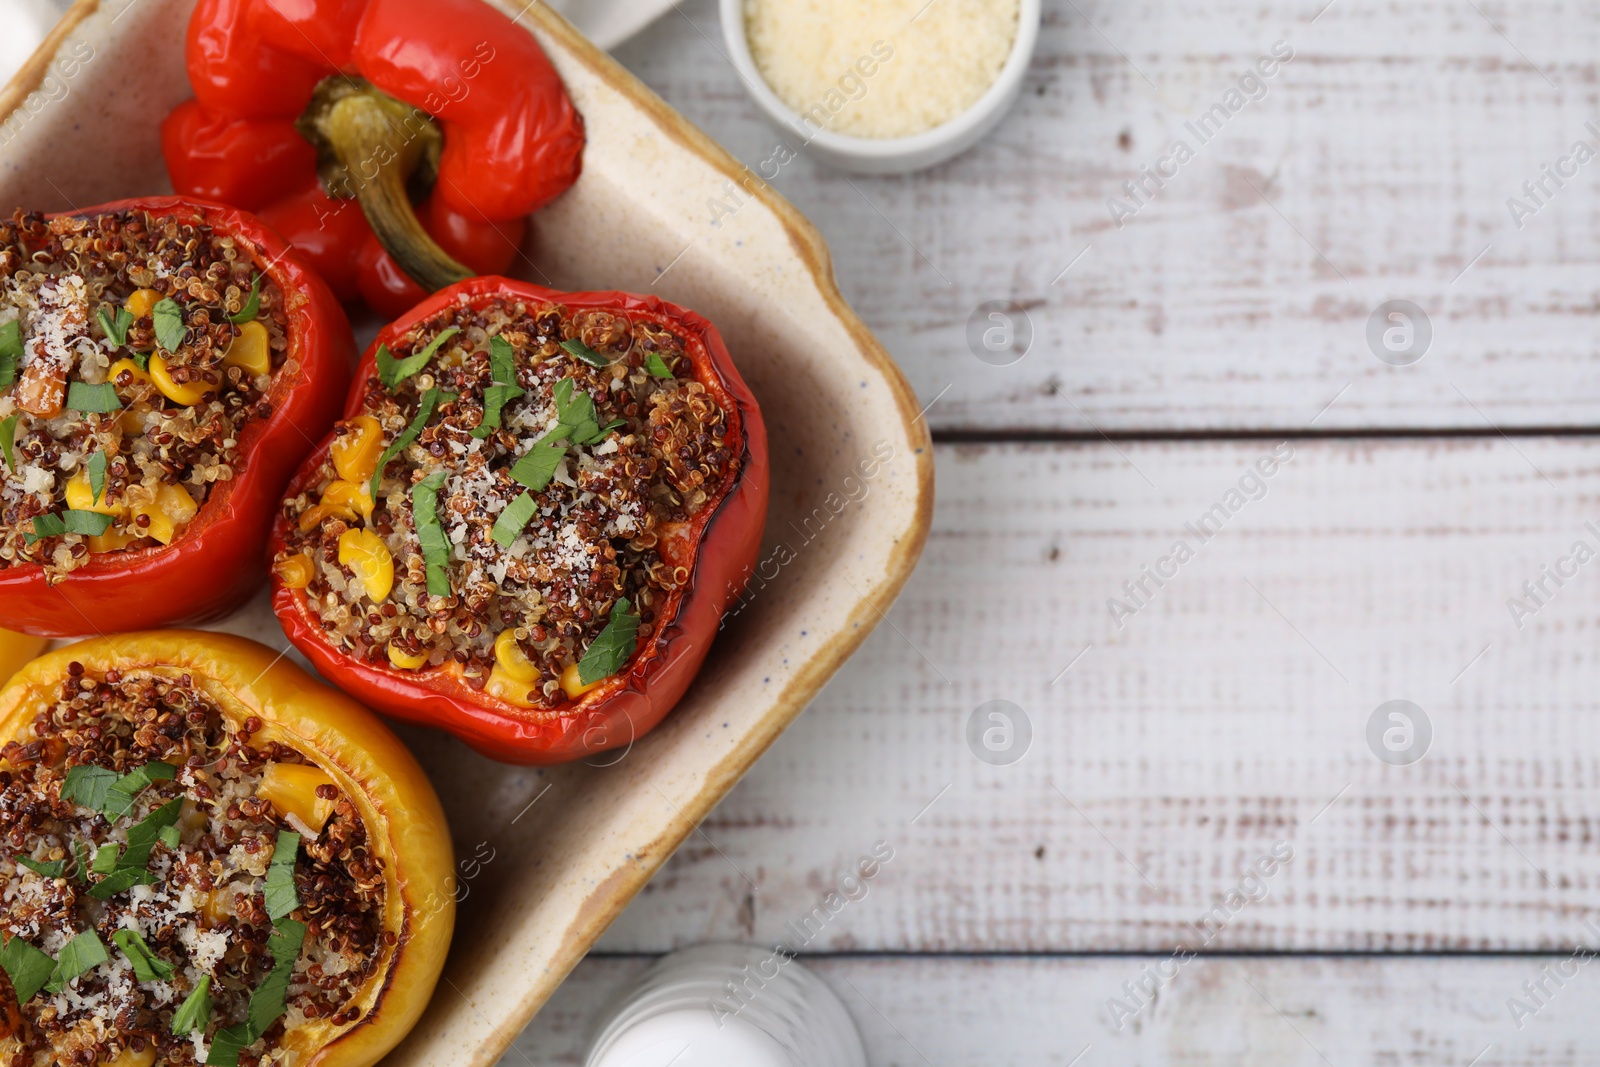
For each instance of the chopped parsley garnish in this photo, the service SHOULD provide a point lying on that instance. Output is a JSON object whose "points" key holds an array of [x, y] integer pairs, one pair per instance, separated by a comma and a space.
{"points": [[391, 371], [97, 399], [97, 476], [613, 647], [430, 400], [657, 366], [27, 967], [115, 324], [281, 896], [503, 372], [83, 953], [10, 352], [576, 422], [195, 1011], [130, 865], [575, 414], [535, 469], [110, 793], [269, 1001], [171, 836], [168, 320], [435, 547], [508, 527], [105, 858], [123, 792], [252, 306], [576, 419], [79, 522], [88, 785], [605, 431], [8, 440], [147, 966], [577, 348], [52, 869]]}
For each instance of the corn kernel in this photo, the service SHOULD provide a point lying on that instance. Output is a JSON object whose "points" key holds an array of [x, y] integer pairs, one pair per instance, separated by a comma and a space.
{"points": [[292, 788], [111, 541], [355, 452], [129, 1058], [406, 661], [504, 687], [509, 655], [365, 553], [172, 507], [251, 350], [188, 394], [80, 497], [218, 906], [574, 684], [141, 302], [312, 517], [131, 421], [295, 571], [350, 497], [126, 365]]}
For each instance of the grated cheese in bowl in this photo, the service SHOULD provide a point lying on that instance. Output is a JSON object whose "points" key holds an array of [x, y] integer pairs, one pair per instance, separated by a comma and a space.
{"points": [[880, 69]]}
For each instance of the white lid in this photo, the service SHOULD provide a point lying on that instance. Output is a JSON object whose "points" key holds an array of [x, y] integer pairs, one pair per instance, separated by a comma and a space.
{"points": [[692, 1038]]}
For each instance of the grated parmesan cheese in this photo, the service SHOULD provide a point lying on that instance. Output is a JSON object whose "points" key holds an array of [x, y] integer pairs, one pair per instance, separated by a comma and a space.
{"points": [[880, 68]]}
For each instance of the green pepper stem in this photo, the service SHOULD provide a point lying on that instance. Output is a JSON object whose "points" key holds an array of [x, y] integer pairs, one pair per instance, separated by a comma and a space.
{"points": [[372, 147]]}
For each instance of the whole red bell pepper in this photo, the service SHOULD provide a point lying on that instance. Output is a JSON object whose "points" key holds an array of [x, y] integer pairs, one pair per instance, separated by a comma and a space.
{"points": [[716, 549], [213, 564], [445, 101]]}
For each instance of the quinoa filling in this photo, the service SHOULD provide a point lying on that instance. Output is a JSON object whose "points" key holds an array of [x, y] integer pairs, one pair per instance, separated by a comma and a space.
{"points": [[134, 349], [539, 473], [164, 901]]}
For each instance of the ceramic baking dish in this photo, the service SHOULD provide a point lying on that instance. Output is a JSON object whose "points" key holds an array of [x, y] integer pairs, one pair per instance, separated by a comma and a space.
{"points": [[548, 857]]}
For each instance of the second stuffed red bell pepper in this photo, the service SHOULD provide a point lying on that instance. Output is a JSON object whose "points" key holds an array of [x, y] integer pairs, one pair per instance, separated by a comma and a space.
{"points": [[164, 365], [447, 102], [528, 524]]}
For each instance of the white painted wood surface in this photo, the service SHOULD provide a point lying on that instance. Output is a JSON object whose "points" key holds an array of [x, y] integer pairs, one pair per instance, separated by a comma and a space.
{"points": [[1230, 714], [1387, 149], [1216, 1012], [1224, 717]]}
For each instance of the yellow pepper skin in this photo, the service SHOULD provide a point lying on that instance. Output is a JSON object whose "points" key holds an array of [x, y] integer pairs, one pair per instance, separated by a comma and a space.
{"points": [[17, 649], [405, 824]]}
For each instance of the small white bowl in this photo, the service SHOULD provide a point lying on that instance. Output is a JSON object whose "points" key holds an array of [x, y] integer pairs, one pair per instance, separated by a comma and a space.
{"points": [[894, 155]]}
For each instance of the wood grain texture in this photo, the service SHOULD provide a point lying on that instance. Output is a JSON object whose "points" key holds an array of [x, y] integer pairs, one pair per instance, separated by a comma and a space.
{"points": [[1227, 1012], [1227, 715], [1377, 166]]}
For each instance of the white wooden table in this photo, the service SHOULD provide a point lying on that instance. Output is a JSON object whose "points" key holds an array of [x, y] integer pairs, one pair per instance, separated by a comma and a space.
{"points": [[1223, 713]]}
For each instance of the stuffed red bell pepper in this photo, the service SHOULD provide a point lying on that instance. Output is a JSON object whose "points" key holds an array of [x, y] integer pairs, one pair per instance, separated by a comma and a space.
{"points": [[446, 102], [164, 365], [528, 524]]}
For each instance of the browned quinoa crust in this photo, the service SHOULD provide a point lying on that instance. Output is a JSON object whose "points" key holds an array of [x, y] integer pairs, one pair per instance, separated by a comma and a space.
{"points": [[122, 721], [656, 472], [152, 441]]}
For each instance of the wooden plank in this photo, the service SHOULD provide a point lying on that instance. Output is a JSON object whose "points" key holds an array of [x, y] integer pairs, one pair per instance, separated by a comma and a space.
{"points": [[1230, 1011], [1228, 715], [1377, 166]]}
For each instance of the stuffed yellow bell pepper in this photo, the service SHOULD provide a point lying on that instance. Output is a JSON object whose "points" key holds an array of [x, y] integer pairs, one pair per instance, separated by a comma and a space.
{"points": [[209, 858], [17, 649]]}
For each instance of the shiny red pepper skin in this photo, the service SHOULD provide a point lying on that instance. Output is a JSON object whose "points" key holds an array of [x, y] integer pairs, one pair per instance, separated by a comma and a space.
{"points": [[633, 701], [512, 139], [214, 564]]}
